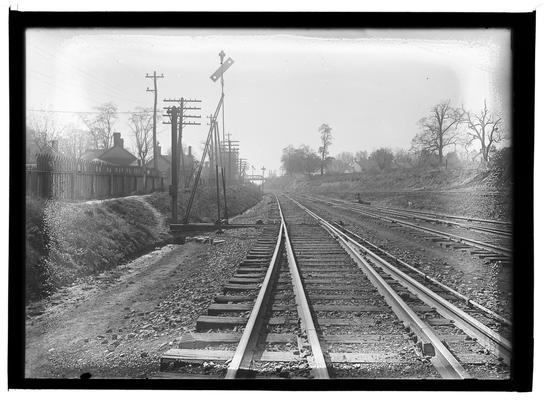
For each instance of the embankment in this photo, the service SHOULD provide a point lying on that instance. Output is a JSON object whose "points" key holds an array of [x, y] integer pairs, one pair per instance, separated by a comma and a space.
{"points": [[68, 241], [484, 194]]}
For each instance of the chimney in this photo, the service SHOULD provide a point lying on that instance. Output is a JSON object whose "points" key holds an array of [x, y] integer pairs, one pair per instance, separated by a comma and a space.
{"points": [[117, 141], [55, 145]]}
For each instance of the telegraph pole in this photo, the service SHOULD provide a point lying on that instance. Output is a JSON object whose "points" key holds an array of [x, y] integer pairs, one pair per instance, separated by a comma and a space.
{"points": [[183, 120], [155, 155], [242, 165], [231, 149], [262, 182], [173, 112], [230, 156]]}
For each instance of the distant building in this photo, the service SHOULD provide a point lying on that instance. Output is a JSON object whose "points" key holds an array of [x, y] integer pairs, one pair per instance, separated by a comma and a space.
{"points": [[115, 155], [33, 149], [164, 162]]}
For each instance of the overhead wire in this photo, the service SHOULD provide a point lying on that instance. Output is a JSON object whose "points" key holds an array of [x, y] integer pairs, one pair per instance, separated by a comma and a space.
{"points": [[67, 87], [86, 112], [106, 86]]}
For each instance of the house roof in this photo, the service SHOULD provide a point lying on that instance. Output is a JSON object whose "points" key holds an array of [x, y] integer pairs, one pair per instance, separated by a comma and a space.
{"points": [[102, 155], [33, 149], [92, 154], [118, 148], [161, 157]]}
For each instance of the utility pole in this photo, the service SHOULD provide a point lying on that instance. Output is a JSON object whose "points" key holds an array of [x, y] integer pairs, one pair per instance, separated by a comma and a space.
{"points": [[173, 112], [243, 166], [155, 155], [183, 120], [230, 148], [262, 182], [230, 156]]}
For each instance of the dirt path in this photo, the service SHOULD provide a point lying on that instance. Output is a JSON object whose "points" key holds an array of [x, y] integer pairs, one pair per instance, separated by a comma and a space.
{"points": [[118, 323]]}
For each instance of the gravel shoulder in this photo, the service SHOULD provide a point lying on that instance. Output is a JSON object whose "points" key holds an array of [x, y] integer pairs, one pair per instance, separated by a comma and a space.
{"points": [[118, 323]]}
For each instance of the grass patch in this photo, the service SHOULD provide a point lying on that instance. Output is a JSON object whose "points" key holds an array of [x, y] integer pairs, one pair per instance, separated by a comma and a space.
{"points": [[67, 241], [204, 209]]}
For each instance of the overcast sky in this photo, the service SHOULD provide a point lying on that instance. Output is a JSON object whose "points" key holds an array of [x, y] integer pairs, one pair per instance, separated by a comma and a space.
{"points": [[370, 86]]}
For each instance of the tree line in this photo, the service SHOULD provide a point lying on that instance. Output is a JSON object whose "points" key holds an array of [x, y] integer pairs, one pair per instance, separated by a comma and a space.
{"points": [[477, 134], [98, 132]]}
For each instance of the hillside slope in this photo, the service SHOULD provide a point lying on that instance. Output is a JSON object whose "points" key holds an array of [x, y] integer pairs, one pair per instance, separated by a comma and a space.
{"points": [[405, 180], [67, 241], [465, 192]]}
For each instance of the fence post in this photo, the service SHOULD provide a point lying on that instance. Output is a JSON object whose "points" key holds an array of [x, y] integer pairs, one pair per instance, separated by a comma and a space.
{"points": [[111, 182], [43, 163], [73, 185], [122, 176]]}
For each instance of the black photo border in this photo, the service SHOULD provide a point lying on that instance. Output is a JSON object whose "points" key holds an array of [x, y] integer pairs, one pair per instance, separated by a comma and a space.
{"points": [[522, 26]]}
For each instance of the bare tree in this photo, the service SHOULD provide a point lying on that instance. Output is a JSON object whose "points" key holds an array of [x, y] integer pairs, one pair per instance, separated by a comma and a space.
{"points": [[74, 142], [485, 128], [141, 124], [342, 163], [361, 159], [43, 128], [326, 141], [383, 157], [438, 129], [403, 159], [301, 160], [101, 125]]}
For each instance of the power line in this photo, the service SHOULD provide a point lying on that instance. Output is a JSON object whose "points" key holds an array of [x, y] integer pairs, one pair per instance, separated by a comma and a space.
{"points": [[106, 84], [86, 112], [86, 75], [56, 86], [83, 93]]}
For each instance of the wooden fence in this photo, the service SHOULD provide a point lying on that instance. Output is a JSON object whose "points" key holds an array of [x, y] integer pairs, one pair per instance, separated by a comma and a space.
{"points": [[73, 179]]}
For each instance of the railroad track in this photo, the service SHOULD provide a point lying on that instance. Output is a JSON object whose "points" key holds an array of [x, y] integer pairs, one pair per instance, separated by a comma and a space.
{"points": [[310, 301], [490, 222], [499, 228], [492, 252]]}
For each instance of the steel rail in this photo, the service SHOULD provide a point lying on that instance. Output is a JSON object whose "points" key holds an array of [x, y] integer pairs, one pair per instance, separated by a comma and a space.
{"points": [[431, 345], [438, 215], [434, 214], [485, 336], [450, 237], [243, 355], [498, 232], [466, 299], [319, 365]]}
